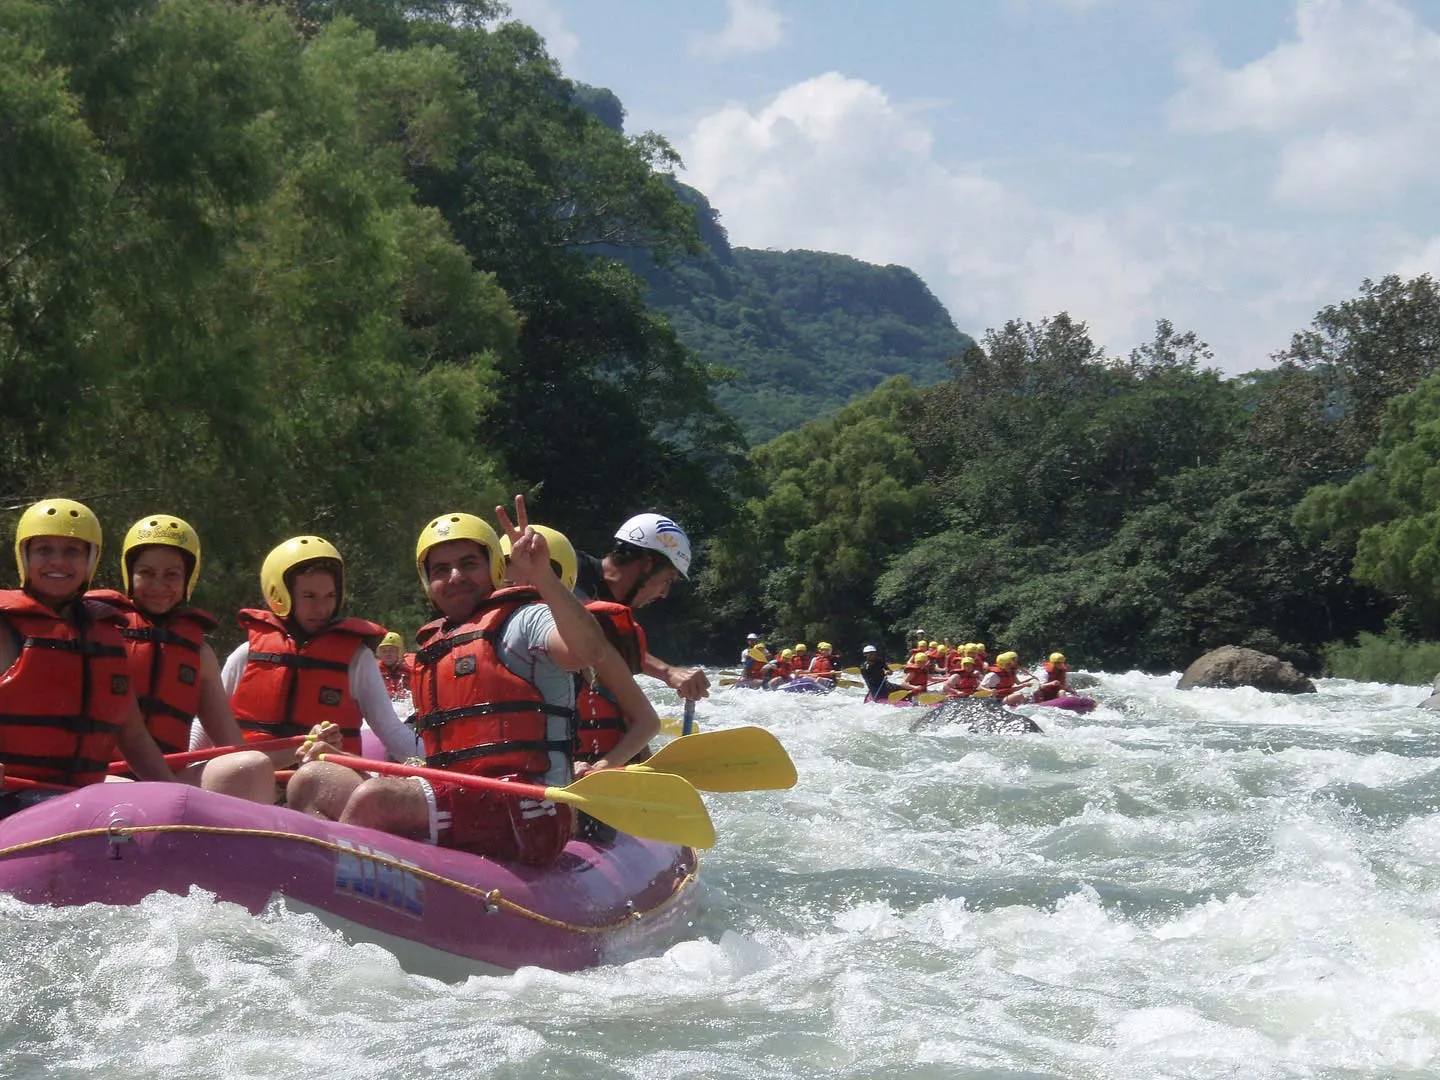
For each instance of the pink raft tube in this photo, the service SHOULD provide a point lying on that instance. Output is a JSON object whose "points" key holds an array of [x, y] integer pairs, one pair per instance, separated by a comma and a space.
{"points": [[443, 913]]}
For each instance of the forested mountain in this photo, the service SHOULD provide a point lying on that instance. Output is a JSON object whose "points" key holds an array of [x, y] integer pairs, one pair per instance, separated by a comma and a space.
{"points": [[800, 333], [803, 331]]}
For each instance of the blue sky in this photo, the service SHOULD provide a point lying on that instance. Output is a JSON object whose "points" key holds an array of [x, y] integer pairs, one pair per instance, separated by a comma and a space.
{"points": [[1232, 165]]}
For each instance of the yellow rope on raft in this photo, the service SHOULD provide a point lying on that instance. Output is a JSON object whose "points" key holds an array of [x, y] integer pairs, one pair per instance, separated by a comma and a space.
{"points": [[490, 897]]}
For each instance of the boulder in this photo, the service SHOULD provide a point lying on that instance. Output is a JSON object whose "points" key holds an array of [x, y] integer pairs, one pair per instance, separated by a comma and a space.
{"points": [[1431, 702], [981, 716], [1435, 684], [1079, 680], [1231, 666]]}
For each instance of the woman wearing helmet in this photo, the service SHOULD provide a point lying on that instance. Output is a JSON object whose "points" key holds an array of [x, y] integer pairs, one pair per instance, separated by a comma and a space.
{"points": [[822, 666], [780, 670], [395, 666], [1003, 678], [494, 693], [650, 554], [304, 669], [1053, 684], [173, 670], [62, 660]]}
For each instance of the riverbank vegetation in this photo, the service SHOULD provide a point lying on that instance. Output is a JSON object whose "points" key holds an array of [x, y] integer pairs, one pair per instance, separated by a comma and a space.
{"points": [[333, 266]]}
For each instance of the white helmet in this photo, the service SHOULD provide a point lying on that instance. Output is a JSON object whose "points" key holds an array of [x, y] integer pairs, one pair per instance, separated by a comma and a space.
{"points": [[656, 533], [869, 649]]}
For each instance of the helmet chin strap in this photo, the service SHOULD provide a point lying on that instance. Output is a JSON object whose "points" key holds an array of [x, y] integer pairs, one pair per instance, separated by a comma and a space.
{"points": [[642, 580]]}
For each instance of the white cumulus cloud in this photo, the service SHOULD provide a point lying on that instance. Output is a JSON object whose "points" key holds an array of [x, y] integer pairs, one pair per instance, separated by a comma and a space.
{"points": [[1352, 100], [833, 164], [752, 26]]}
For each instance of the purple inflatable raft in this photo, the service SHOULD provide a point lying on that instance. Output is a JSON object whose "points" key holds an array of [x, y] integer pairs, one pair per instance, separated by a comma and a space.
{"points": [[443, 913]]}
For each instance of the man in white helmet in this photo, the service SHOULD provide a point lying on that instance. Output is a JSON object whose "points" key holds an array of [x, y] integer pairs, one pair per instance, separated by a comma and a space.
{"points": [[650, 554]]}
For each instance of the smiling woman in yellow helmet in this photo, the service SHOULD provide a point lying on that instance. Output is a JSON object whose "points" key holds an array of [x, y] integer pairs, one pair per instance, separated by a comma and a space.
{"points": [[174, 671], [63, 665], [304, 667]]}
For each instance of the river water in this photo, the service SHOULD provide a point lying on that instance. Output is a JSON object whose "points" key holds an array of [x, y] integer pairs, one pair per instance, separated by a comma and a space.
{"points": [[1212, 883]]}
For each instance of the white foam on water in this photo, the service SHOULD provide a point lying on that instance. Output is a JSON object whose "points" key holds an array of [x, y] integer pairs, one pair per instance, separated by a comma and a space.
{"points": [[1213, 883]]}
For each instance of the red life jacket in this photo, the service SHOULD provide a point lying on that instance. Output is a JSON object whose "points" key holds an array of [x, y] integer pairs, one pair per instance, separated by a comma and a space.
{"points": [[821, 665], [286, 689], [64, 700], [754, 667], [968, 680], [1008, 679], [801, 663], [601, 723], [397, 679], [477, 716], [917, 669], [1054, 673], [164, 667]]}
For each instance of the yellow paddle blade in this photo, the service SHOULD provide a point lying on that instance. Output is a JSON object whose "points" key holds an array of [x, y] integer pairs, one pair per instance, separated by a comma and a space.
{"points": [[851, 670], [895, 667], [929, 698], [982, 692], [674, 725], [728, 682], [848, 682], [899, 695], [731, 759], [656, 806]]}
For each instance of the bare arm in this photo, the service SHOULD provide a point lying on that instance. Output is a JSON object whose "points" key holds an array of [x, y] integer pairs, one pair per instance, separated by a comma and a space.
{"points": [[215, 715], [691, 683], [139, 749], [641, 722]]}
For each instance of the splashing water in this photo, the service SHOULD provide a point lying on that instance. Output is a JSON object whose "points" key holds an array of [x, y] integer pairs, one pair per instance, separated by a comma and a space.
{"points": [[1213, 883]]}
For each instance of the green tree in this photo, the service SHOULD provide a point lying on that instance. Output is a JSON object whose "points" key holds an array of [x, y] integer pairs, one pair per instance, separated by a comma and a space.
{"points": [[843, 496]]}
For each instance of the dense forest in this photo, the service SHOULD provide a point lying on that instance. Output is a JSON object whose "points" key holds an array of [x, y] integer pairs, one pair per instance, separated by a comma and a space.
{"points": [[335, 265]]}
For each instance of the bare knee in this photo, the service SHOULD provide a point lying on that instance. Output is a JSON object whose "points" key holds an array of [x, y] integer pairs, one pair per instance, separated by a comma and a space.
{"points": [[393, 806], [321, 788], [245, 774]]}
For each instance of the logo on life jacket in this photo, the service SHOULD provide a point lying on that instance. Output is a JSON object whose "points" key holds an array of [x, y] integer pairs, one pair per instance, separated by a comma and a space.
{"points": [[465, 665], [188, 674], [331, 695], [119, 684]]}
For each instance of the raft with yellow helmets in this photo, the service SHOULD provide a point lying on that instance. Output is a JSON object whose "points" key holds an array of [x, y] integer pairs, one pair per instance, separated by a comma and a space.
{"points": [[442, 911]]}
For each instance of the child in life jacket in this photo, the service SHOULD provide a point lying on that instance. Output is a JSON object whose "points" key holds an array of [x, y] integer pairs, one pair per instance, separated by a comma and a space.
{"points": [[67, 707], [173, 669], [304, 666]]}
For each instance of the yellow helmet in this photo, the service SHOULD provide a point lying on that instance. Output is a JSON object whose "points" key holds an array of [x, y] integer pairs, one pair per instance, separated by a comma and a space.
{"points": [[460, 527], [788, 654], [59, 517], [1057, 658], [980, 646], [562, 554], [165, 531], [392, 638], [801, 647], [1007, 658], [824, 646], [943, 649], [284, 558], [934, 645]]}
